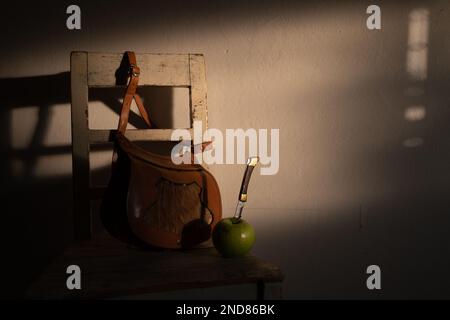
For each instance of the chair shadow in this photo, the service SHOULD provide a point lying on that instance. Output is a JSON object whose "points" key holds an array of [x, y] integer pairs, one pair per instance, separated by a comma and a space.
{"points": [[38, 209]]}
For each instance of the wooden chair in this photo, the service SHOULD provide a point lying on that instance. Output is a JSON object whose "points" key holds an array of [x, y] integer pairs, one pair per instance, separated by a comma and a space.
{"points": [[111, 269]]}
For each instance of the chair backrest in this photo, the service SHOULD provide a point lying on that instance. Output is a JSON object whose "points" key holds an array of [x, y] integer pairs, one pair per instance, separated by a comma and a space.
{"points": [[89, 70]]}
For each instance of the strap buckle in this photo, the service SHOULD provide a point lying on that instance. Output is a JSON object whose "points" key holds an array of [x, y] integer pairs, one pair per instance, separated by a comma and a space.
{"points": [[134, 70]]}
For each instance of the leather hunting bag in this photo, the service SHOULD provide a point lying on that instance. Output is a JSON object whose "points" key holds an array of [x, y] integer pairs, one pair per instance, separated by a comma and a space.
{"points": [[149, 199]]}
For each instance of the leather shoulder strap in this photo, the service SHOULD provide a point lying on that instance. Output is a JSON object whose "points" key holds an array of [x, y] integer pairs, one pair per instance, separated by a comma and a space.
{"points": [[130, 94], [128, 98]]}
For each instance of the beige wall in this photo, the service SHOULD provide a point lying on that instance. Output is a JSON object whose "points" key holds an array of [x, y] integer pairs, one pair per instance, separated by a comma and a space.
{"points": [[351, 190]]}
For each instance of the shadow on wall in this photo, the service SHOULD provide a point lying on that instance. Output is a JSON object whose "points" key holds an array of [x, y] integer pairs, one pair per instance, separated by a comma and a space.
{"points": [[37, 210]]}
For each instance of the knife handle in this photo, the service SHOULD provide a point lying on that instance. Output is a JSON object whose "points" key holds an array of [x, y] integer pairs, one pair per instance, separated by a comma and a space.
{"points": [[251, 163]]}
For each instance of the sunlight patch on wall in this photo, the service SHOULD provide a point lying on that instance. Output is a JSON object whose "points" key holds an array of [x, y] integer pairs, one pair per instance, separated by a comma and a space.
{"points": [[168, 107], [57, 131], [26, 119], [416, 68], [103, 117], [415, 113], [417, 55], [53, 166]]}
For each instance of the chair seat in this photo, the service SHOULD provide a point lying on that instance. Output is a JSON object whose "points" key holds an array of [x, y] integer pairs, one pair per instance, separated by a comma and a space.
{"points": [[111, 269]]}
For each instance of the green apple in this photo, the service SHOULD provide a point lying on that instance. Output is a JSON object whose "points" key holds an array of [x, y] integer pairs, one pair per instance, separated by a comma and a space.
{"points": [[233, 237]]}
